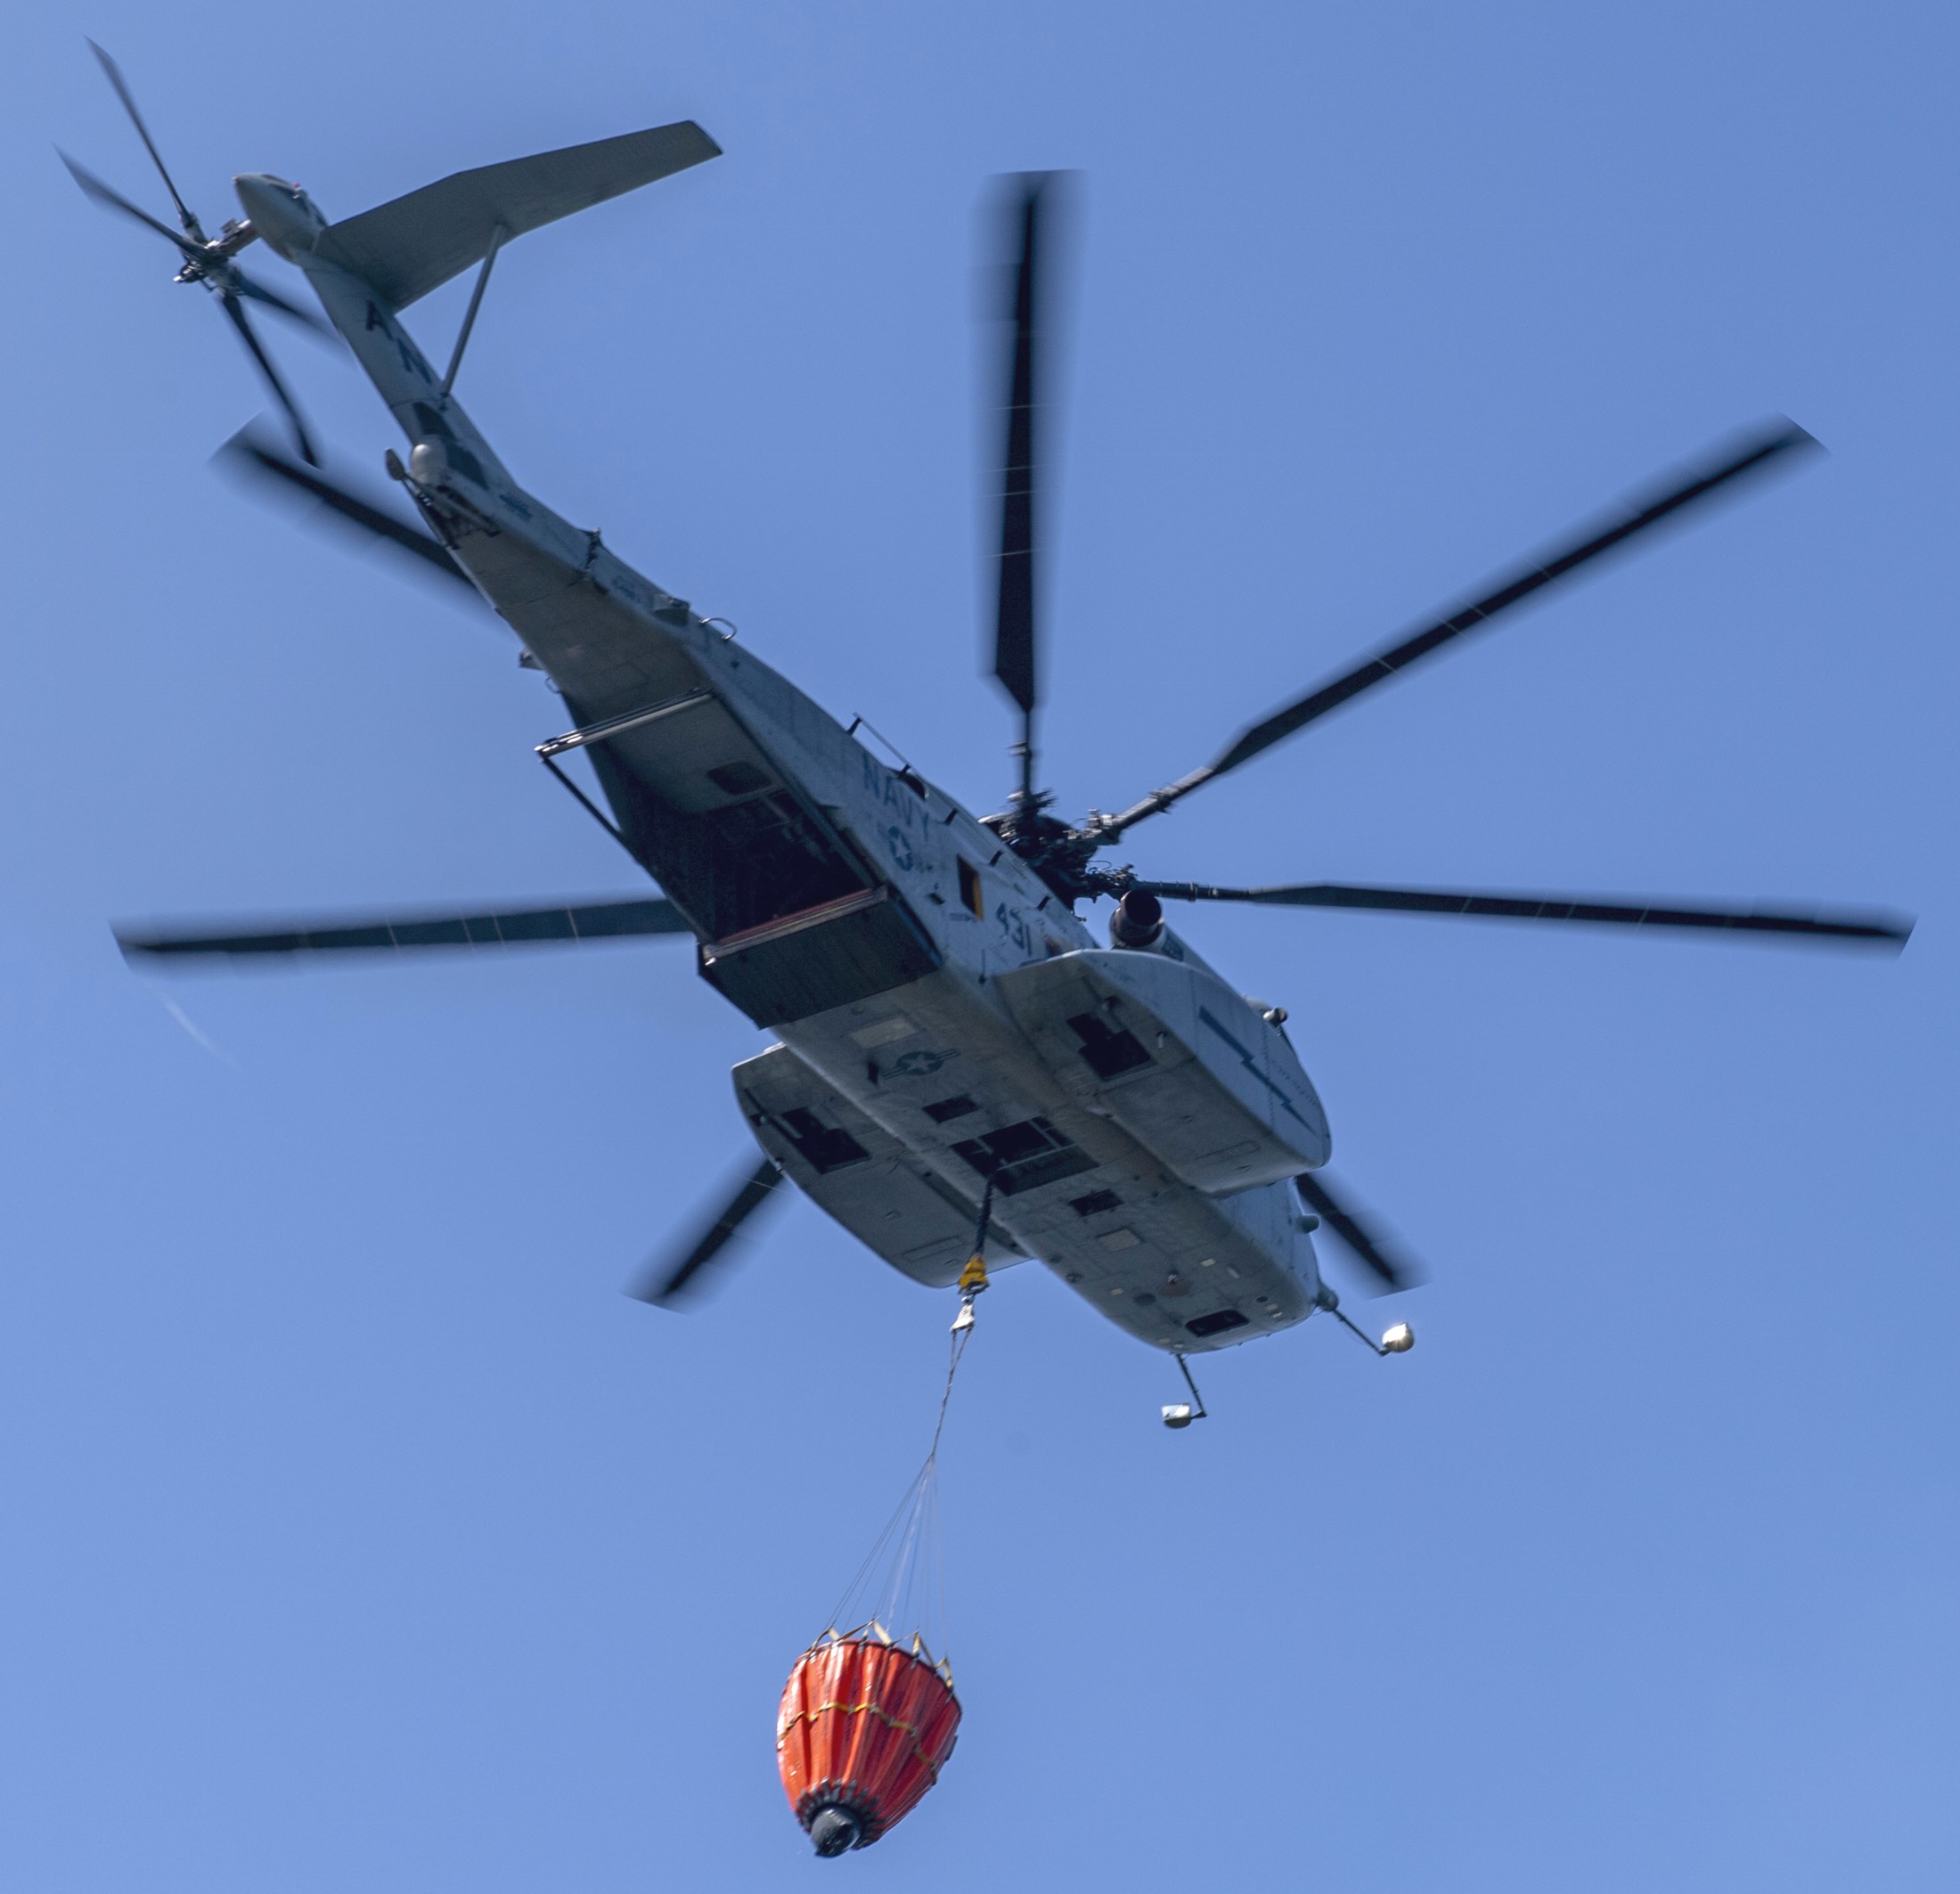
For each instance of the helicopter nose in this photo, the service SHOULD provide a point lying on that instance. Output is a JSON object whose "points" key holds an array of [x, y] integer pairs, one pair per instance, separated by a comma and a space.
{"points": [[280, 212]]}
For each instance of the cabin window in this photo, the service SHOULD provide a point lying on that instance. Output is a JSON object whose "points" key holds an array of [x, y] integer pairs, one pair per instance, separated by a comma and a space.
{"points": [[970, 897]]}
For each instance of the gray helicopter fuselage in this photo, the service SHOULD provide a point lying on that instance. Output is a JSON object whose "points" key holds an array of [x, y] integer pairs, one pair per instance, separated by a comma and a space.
{"points": [[943, 1017]]}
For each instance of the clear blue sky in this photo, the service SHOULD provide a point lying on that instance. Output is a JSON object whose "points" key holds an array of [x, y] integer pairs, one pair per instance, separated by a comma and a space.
{"points": [[359, 1532]]}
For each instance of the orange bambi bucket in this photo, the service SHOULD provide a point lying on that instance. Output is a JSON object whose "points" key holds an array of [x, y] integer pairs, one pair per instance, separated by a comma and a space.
{"points": [[864, 1728]]}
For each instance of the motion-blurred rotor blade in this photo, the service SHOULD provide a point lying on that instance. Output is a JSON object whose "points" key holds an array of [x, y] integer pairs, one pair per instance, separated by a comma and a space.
{"points": [[1821, 926], [1027, 208], [1777, 442], [1395, 1272], [669, 1280], [114, 71], [609, 920], [235, 309], [259, 293], [112, 199], [245, 455]]}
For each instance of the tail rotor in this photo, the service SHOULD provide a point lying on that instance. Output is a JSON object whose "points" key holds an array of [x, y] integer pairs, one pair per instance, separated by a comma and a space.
{"points": [[207, 260]]}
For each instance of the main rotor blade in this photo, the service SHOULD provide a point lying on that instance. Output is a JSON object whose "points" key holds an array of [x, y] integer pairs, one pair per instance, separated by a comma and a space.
{"points": [[1752, 455], [123, 92], [1394, 1271], [259, 293], [235, 309], [112, 199], [1822, 927], [1015, 661], [246, 455], [667, 1281], [595, 922]]}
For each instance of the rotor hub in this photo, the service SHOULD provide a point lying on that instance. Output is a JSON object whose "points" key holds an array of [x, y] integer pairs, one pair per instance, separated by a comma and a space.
{"points": [[1061, 854]]}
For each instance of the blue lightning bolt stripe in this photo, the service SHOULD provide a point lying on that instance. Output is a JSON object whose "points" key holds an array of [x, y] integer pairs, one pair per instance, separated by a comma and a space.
{"points": [[1245, 1059]]}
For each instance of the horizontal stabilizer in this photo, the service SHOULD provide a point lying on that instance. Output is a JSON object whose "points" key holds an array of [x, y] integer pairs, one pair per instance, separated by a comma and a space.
{"points": [[598, 921], [404, 250]]}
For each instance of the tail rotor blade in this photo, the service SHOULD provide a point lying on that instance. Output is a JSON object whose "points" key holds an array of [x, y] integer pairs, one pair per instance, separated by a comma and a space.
{"points": [[671, 1280], [184, 213], [1394, 1272], [272, 299], [236, 310], [112, 199]]}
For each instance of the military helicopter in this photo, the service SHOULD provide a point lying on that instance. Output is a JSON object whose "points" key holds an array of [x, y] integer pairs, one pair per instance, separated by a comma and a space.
{"points": [[962, 1077]]}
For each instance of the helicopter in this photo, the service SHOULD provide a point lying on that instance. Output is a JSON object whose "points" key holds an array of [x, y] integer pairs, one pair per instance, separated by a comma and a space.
{"points": [[961, 1076]]}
